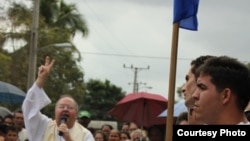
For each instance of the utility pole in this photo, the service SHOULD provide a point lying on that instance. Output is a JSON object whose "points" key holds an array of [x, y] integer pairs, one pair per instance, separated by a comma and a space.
{"points": [[135, 83], [33, 44]]}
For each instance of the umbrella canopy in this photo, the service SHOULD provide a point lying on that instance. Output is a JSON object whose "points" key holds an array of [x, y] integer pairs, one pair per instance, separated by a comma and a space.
{"points": [[179, 107], [10, 93], [4, 111], [141, 108]]}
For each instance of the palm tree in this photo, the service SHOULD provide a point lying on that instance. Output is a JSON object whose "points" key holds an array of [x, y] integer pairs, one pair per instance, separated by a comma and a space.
{"points": [[60, 17], [56, 18], [17, 25], [66, 16]]}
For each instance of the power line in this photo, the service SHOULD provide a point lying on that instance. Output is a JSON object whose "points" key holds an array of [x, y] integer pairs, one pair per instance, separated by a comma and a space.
{"points": [[134, 56], [105, 26]]}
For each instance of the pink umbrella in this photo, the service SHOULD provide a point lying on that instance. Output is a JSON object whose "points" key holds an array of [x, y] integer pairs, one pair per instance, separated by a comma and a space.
{"points": [[142, 108]]}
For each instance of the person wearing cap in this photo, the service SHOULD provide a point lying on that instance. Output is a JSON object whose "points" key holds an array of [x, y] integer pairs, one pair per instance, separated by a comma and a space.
{"points": [[84, 118]]}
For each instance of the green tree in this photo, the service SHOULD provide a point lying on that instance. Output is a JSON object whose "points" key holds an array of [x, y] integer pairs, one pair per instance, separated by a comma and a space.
{"points": [[100, 98], [66, 16], [4, 65], [56, 18], [67, 75], [16, 25], [18, 30]]}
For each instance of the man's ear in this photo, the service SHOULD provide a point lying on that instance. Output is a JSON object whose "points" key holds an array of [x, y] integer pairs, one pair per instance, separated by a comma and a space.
{"points": [[226, 95]]}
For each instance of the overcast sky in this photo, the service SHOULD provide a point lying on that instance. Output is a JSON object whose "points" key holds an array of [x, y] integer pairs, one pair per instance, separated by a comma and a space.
{"points": [[139, 33]]}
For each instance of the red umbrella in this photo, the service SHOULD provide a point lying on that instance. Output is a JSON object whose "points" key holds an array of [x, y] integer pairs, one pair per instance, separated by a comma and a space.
{"points": [[142, 108]]}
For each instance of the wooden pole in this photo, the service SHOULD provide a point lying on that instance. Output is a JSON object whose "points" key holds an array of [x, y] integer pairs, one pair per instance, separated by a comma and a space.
{"points": [[172, 77]]}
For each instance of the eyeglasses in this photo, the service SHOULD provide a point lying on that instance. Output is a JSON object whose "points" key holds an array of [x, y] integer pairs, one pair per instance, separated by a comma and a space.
{"points": [[68, 107], [247, 113]]}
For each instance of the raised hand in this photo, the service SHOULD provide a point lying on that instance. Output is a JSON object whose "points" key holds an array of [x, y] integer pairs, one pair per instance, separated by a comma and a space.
{"points": [[43, 71]]}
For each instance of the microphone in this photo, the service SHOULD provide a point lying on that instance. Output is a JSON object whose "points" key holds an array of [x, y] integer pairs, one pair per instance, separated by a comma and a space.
{"points": [[63, 120]]}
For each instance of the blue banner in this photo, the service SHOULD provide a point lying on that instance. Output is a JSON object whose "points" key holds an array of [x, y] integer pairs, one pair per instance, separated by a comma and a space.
{"points": [[185, 13]]}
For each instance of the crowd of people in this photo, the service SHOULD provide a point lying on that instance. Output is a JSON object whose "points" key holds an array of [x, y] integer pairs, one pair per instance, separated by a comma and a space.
{"points": [[129, 131], [218, 81], [12, 127]]}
